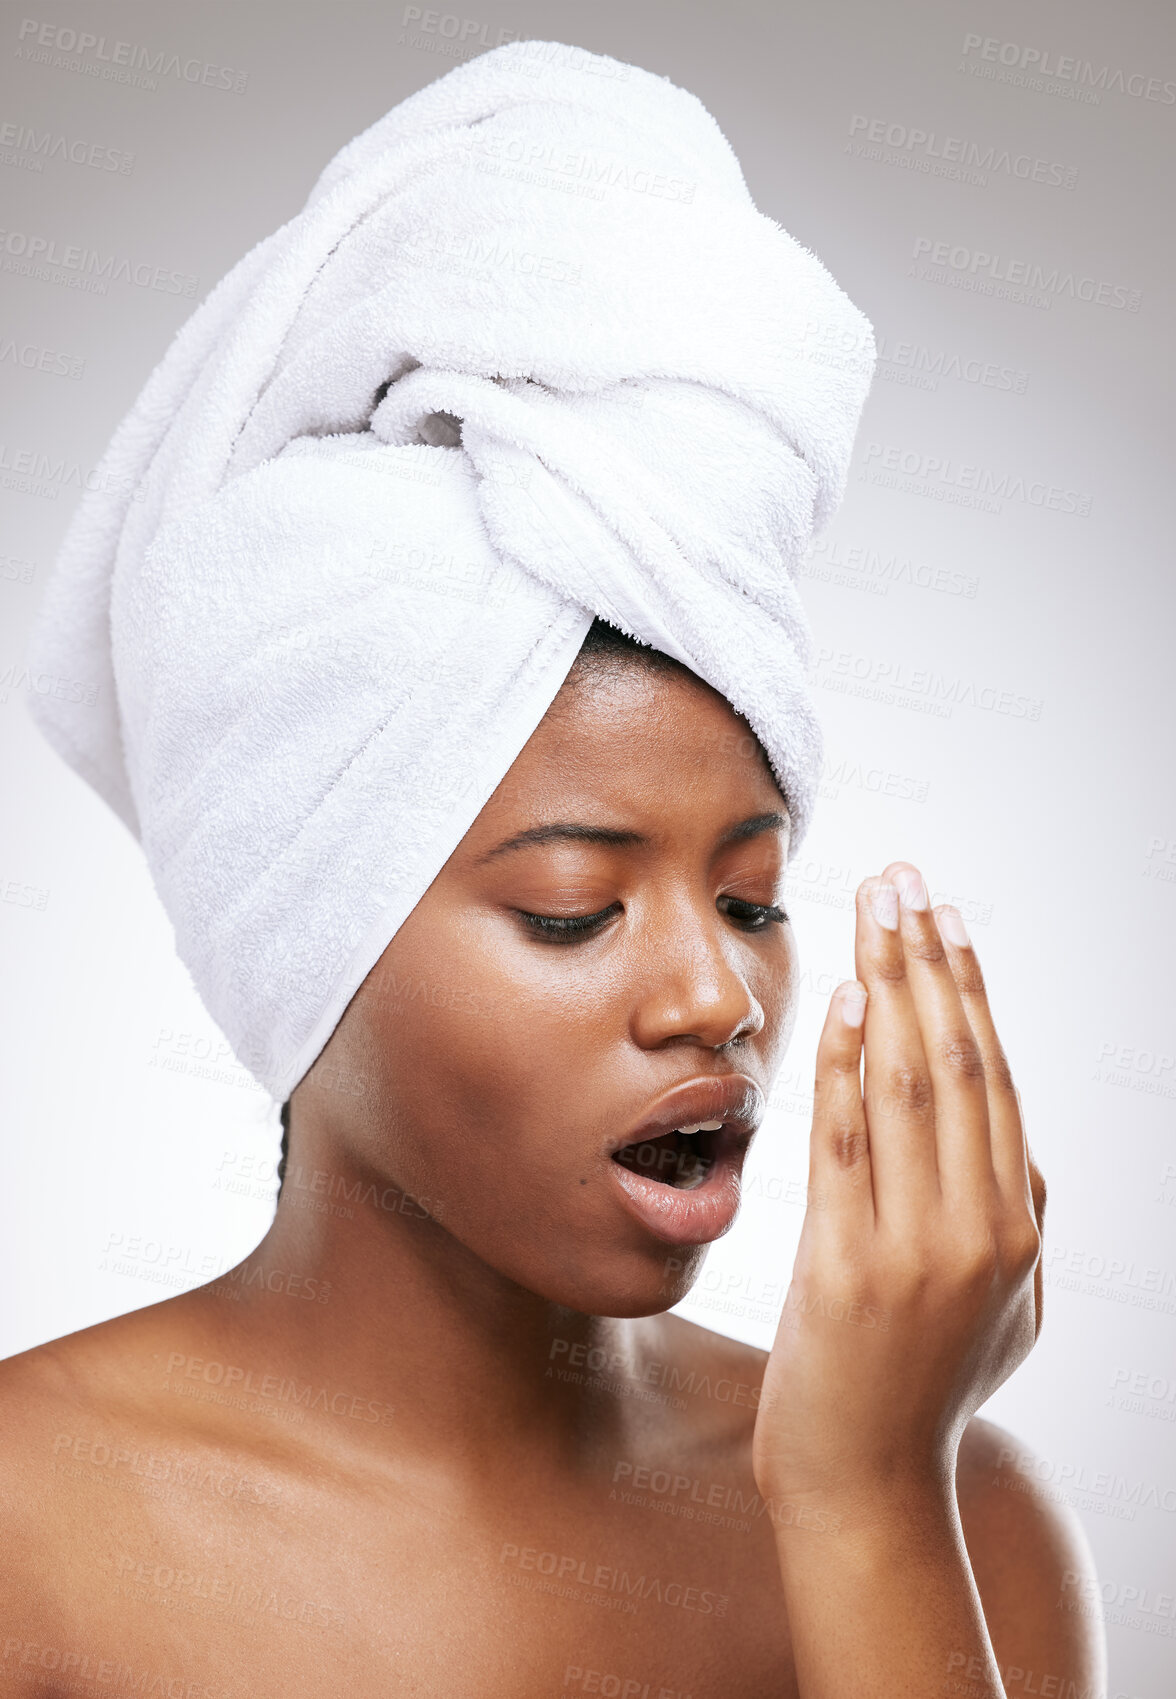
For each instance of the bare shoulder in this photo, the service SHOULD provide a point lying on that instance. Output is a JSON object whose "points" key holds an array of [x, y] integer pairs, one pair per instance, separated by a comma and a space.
{"points": [[48, 1406], [1033, 1567], [94, 1451], [55, 1396], [98, 1371], [703, 1347], [48, 1389]]}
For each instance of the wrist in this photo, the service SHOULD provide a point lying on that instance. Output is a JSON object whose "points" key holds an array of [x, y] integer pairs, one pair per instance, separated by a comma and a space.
{"points": [[872, 1513]]}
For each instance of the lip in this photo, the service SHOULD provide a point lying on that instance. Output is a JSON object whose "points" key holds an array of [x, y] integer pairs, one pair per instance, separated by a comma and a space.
{"points": [[707, 1211]]}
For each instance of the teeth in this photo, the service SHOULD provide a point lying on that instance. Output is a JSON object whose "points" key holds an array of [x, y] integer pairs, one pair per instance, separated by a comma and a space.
{"points": [[700, 1127]]}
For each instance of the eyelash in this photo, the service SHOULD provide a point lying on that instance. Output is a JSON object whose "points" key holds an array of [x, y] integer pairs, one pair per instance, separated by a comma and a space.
{"points": [[566, 928]]}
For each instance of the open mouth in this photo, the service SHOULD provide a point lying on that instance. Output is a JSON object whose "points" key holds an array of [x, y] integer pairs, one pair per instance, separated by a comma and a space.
{"points": [[682, 1158]]}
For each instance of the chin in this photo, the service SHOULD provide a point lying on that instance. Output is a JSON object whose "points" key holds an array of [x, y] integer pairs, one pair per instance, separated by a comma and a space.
{"points": [[627, 1286]]}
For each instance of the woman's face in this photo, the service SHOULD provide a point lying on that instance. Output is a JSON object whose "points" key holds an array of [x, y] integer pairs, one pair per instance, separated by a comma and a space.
{"points": [[506, 1061]]}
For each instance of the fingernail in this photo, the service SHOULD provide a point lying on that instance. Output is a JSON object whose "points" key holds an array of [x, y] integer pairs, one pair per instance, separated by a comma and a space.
{"points": [[853, 1004], [951, 925], [911, 889], [884, 902]]}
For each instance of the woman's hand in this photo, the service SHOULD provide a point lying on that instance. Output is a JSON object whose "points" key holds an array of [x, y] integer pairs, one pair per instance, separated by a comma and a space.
{"points": [[917, 1286]]}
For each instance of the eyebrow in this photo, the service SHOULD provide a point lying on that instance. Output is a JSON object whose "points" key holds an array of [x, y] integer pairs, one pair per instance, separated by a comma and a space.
{"points": [[560, 830]]}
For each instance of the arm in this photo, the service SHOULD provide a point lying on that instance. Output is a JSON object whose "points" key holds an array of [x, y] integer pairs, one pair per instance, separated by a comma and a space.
{"points": [[916, 1292], [907, 1607]]}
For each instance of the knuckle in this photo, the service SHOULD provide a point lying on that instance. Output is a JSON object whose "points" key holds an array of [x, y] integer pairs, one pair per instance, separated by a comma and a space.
{"points": [[908, 1090], [889, 967], [1022, 1249], [841, 1064], [1038, 1188], [917, 1278], [969, 978], [977, 1258], [960, 1055], [926, 945], [999, 1073], [849, 1142], [908, 1272], [1020, 1241], [829, 1088]]}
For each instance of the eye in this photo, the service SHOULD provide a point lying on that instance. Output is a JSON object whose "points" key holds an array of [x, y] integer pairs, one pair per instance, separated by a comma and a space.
{"points": [[565, 928], [754, 917]]}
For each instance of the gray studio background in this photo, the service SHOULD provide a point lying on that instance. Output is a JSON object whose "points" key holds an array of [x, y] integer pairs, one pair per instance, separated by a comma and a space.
{"points": [[991, 184]]}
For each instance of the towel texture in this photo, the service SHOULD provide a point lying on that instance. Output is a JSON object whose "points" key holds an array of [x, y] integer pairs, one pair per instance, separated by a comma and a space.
{"points": [[528, 355]]}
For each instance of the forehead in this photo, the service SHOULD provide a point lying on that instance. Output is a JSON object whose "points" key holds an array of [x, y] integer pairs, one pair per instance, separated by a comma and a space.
{"points": [[630, 740]]}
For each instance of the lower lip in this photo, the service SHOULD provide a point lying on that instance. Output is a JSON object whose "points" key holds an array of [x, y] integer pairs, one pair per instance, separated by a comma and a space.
{"points": [[679, 1217]]}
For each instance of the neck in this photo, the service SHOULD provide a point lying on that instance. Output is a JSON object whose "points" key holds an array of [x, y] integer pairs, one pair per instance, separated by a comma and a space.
{"points": [[357, 1287]]}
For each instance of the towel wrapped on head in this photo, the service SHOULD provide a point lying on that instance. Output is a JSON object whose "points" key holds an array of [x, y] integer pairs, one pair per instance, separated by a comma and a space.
{"points": [[529, 355]]}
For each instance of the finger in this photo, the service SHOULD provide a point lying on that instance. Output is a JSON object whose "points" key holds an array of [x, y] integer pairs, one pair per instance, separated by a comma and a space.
{"points": [[839, 1149], [1010, 1154], [900, 1109], [1037, 1190], [956, 1067]]}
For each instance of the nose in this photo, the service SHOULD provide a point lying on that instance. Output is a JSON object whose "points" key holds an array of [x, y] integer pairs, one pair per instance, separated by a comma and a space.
{"points": [[697, 987]]}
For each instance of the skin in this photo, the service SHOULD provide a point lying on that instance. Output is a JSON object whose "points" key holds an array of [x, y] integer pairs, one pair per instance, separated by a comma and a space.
{"points": [[451, 1209]]}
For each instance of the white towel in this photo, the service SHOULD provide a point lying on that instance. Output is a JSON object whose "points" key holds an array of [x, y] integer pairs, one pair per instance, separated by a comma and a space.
{"points": [[528, 355]]}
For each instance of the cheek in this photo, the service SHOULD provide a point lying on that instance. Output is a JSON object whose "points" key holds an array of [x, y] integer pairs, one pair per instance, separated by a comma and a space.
{"points": [[778, 993], [474, 1038]]}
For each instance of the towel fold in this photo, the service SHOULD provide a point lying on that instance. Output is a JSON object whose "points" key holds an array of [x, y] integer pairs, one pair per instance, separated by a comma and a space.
{"points": [[529, 355]]}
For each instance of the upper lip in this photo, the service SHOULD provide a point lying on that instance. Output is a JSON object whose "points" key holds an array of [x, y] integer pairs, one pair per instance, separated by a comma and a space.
{"points": [[734, 1099]]}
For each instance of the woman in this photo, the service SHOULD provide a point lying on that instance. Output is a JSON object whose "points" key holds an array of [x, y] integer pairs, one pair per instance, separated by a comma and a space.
{"points": [[439, 1433], [452, 1471]]}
